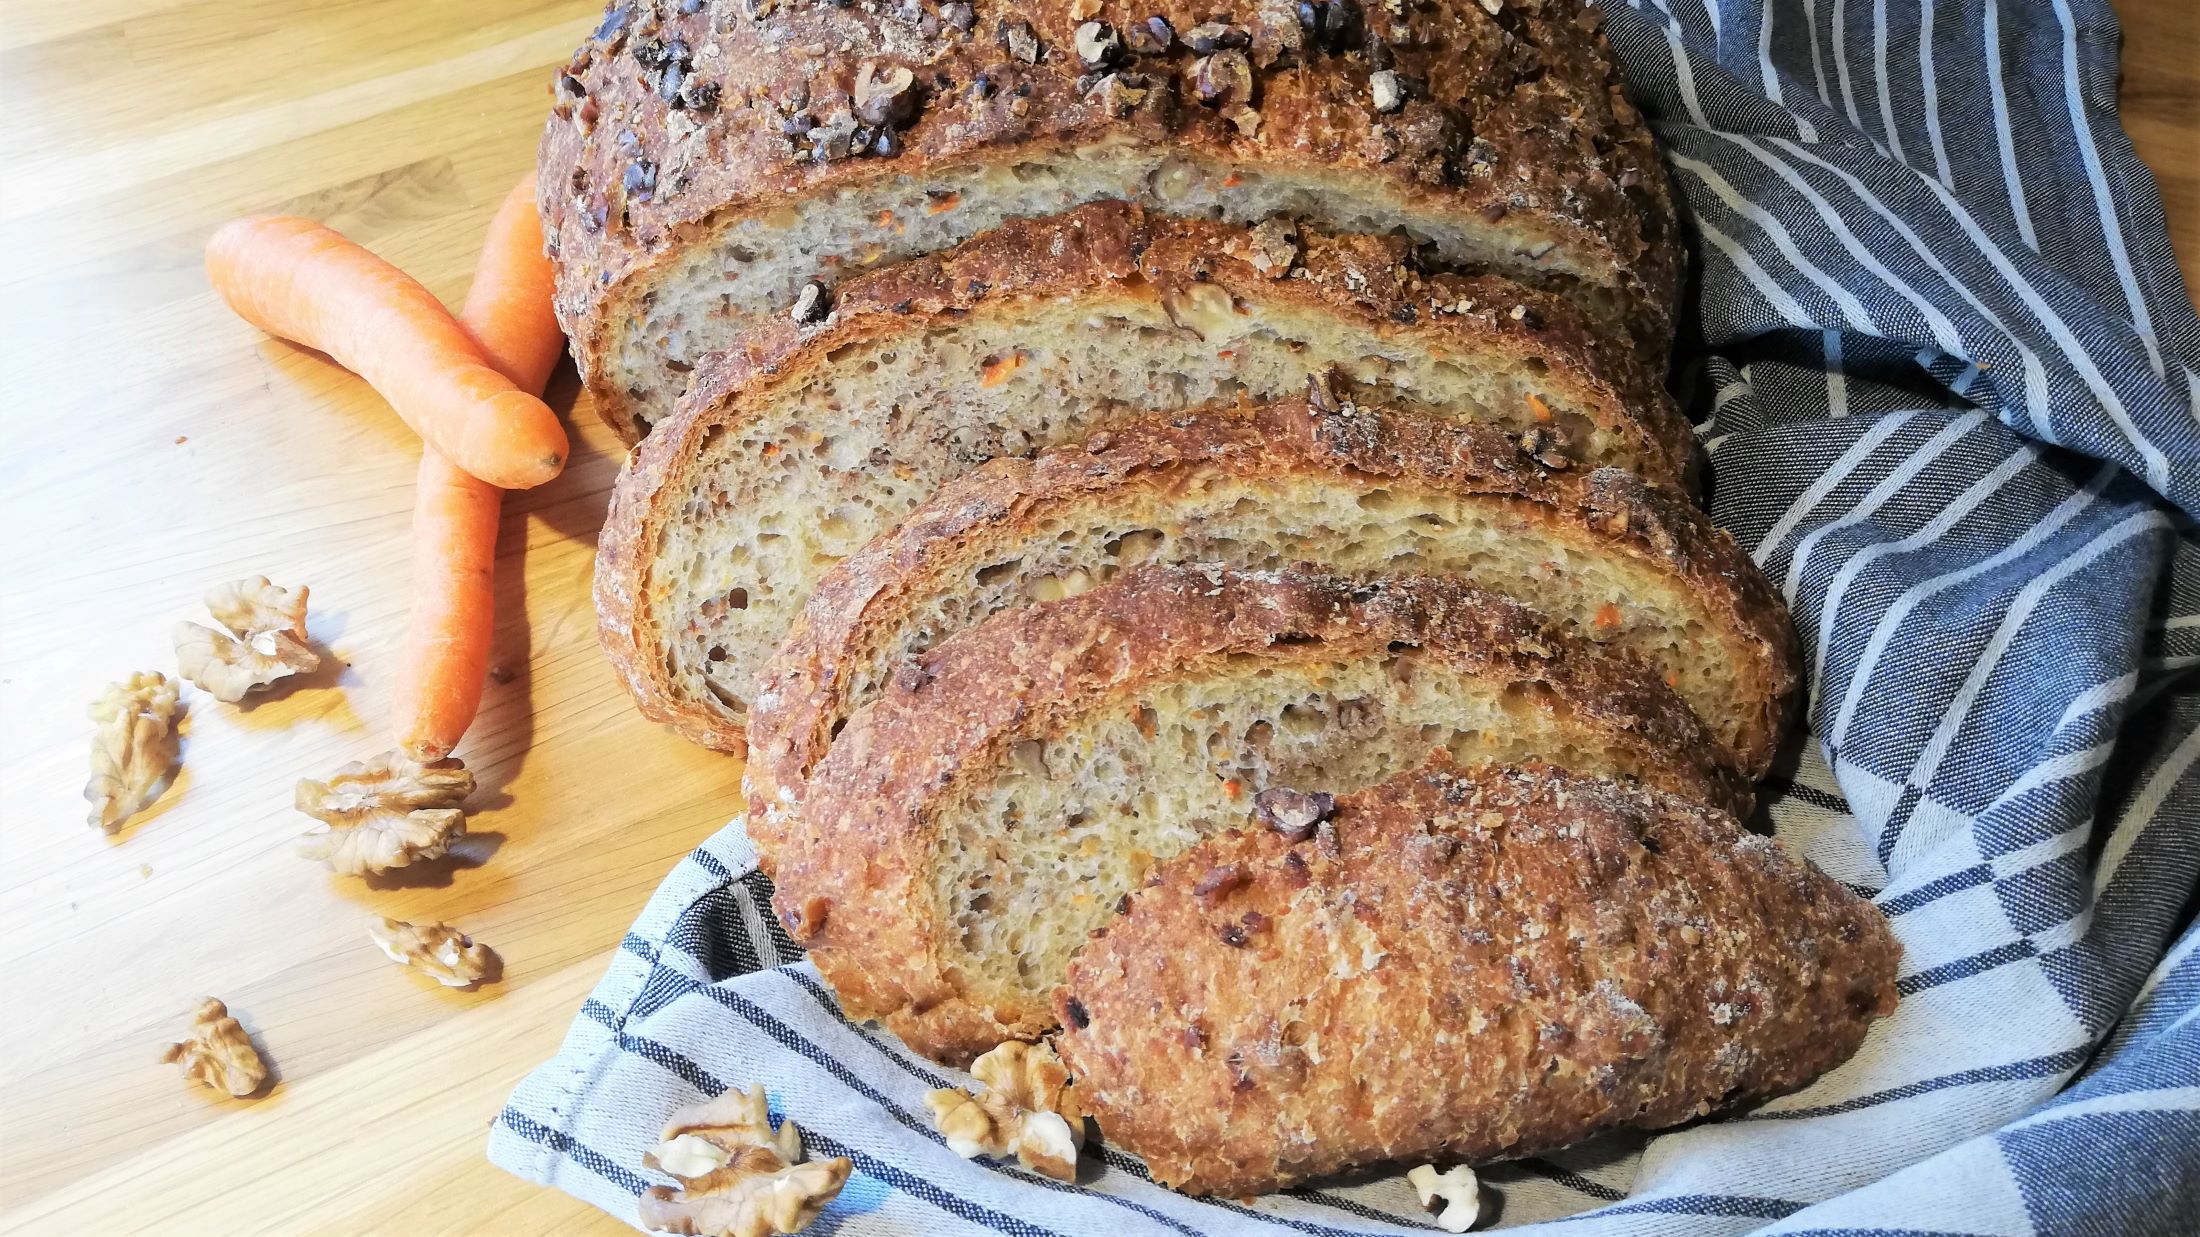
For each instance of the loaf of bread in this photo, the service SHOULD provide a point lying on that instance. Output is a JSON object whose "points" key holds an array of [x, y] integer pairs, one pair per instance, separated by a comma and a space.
{"points": [[806, 441], [1351, 480], [974, 823], [1463, 964], [709, 160]]}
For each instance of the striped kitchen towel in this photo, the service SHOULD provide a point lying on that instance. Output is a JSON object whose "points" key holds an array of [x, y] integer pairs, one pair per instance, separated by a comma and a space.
{"points": [[1948, 378]]}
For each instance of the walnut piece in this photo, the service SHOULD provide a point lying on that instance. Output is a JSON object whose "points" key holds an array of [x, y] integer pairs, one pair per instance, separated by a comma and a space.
{"points": [[386, 813], [1029, 1110], [134, 749], [1458, 1190], [455, 959], [756, 1194], [265, 640], [738, 1178], [217, 1052]]}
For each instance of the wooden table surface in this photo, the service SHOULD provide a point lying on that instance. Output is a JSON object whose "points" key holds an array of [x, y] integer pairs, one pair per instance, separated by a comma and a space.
{"points": [[157, 445]]}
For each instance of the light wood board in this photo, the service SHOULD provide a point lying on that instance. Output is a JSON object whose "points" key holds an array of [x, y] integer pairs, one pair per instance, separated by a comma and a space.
{"points": [[157, 445]]}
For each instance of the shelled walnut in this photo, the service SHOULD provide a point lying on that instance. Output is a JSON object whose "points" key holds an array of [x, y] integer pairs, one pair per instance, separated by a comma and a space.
{"points": [[217, 1052], [265, 639], [1029, 1109], [385, 813], [455, 959], [738, 1177], [1455, 1188], [134, 749]]}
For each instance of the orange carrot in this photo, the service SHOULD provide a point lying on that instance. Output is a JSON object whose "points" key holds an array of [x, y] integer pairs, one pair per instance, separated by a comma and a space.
{"points": [[294, 278], [446, 651]]}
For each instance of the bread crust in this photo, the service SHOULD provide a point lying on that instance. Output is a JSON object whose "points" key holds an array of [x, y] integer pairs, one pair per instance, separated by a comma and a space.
{"points": [[1519, 116], [852, 868], [1345, 436], [1102, 250], [1472, 965]]}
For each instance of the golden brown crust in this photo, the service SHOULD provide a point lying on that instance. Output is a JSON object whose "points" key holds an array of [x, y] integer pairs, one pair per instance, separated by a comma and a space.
{"points": [[668, 122], [1477, 964], [1361, 436], [853, 867]]}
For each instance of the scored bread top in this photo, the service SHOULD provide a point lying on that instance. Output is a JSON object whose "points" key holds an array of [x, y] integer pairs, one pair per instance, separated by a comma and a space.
{"points": [[854, 866], [1463, 965], [1342, 435], [1197, 269], [678, 114]]}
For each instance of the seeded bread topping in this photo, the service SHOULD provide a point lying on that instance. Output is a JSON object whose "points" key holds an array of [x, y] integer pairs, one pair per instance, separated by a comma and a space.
{"points": [[1469, 964], [707, 160]]}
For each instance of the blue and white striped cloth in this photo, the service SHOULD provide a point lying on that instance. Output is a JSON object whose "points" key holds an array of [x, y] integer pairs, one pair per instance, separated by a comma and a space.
{"points": [[1950, 376]]}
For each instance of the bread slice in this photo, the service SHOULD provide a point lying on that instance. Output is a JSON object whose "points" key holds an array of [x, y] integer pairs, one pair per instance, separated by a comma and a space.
{"points": [[704, 165], [1348, 479], [973, 824], [1469, 964], [808, 441]]}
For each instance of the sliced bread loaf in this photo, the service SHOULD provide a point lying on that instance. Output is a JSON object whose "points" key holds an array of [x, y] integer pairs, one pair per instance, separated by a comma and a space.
{"points": [[709, 159], [806, 441], [1469, 964], [973, 824], [1351, 480]]}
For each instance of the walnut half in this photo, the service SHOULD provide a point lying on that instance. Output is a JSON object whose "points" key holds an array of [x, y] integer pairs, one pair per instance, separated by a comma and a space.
{"points": [[134, 749], [1029, 1110], [455, 959], [385, 813], [265, 640], [217, 1052], [738, 1177]]}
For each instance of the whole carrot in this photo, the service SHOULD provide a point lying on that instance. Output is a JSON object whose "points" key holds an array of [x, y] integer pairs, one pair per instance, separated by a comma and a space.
{"points": [[446, 651], [306, 283]]}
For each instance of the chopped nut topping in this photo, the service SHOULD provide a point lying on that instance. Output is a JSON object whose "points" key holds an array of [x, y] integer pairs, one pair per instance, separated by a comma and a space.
{"points": [[1020, 40], [1084, 10], [1545, 446], [1246, 119], [1209, 37], [1220, 882], [134, 749], [1029, 1110], [1270, 248], [217, 1052], [1455, 1187], [1389, 92], [1293, 813], [1225, 77], [885, 97], [1120, 95], [813, 304], [1493, 7], [1341, 25], [1098, 46], [959, 15], [1152, 36], [455, 959], [265, 640], [385, 813]]}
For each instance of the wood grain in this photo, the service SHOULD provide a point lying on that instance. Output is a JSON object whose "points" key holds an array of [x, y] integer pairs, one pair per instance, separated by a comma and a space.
{"points": [[158, 445]]}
